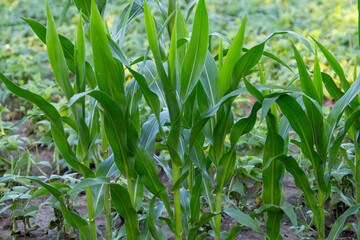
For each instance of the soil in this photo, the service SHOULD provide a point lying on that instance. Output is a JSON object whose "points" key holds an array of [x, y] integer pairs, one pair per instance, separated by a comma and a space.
{"points": [[46, 215]]}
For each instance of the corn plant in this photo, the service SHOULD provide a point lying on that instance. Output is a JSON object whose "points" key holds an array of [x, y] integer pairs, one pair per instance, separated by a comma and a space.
{"points": [[190, 93], [350, 128], [191, 76], [317, 134], [210, 120]]}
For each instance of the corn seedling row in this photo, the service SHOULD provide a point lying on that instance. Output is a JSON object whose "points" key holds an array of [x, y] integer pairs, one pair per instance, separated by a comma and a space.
{"points": [[190, 93]]}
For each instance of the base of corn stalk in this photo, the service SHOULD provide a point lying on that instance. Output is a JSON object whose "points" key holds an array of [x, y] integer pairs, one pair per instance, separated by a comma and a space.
{"points": [[218, 217], [90, 206], [357, 179], [177, 204], [107, 210]]}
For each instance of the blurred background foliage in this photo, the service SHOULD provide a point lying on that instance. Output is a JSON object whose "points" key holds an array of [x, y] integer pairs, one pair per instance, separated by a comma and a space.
{"points": [[333, 22]]}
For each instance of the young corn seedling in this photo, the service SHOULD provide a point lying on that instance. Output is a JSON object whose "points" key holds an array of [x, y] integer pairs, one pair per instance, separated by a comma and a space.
{"points": [[109, 78], [348, 94], [316, 133], [192, 95], [193, 76]]}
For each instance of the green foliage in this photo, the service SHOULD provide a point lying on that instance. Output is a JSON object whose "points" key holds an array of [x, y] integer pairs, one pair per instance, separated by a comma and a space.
{"points": [[190, 129]]}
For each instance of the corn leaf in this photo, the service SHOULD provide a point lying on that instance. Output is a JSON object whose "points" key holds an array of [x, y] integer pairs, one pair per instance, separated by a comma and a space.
{"points": [[233, 55], [68, 49], [121, 200], [335, 65], [56, 56], [114, 127], [243, 219], [300, 122], [109, 75], [209, 79], [318, 78], [70, 217], [195, 200], [56, 125], [315, 116], [246, 63], [203, 219], [196, 53], [339, 224], [343, 102]]}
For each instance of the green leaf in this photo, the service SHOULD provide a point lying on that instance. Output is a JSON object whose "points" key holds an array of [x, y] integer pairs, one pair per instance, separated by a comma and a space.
{"points": [[130, 12], [56, 125], [339, 224], [331, 87], [116, 133], [243, 219], [234, 232], [318, 78], [107, 168], [153, 39], [209, 79], [307, 85], [343, 102], [89, 182], [146, 169], [299, 121], [195, 200], [152, 217], [335, 65], [334, 147], [302, 182], [203, 219], [121, 200], [205, 117], [315, 115], [56, 56], [233, 55], [70, 217], [289, 211], [149, 130], [80, 58], [196, 53], [63, 12], [246, 63], [244, 125], [84, 6], [274, 145], [224, 170], [151, 98], [109, 74], [273, 224], [348, 201]]}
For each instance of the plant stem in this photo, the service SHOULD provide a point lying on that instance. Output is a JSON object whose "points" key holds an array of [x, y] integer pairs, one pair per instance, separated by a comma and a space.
{"points": [[14, 227], [321, 231], [131, 190], [177, 203], [107, 210], [190, 178], [107, 206], [357, 179], [90, 206], [2, 132], [218, 217]]}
